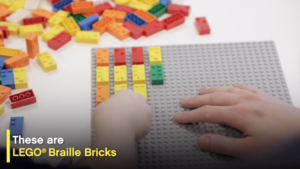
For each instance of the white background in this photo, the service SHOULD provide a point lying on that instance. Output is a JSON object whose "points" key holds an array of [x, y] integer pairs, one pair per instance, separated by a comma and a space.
{"points": [[63, 107]]}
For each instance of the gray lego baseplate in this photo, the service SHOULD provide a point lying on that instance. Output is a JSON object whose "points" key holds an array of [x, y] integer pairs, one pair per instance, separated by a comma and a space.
{"points": [[186, 69]]}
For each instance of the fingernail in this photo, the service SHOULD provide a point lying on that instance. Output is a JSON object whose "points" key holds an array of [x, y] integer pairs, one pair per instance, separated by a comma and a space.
{"points": [[177, 115], [203, 142], [184, 100]]}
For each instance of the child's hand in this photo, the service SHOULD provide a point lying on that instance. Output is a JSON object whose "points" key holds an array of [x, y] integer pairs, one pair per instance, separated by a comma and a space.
{"points": [[264, 120]]}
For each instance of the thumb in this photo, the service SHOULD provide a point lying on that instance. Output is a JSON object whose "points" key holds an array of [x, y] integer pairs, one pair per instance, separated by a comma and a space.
{"points": [[236, 147]]}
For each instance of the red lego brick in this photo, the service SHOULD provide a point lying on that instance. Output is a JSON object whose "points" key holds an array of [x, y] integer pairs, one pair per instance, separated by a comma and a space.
{"points": [[173, 21], [137, 55], [35, 20], [5, 31], [202, 26], [135, 31], [99, 9], [59, 40], [68, 8], [54, 1], [22, 99], [119, 56], [124, 8], [184, 10], [153, 27]]}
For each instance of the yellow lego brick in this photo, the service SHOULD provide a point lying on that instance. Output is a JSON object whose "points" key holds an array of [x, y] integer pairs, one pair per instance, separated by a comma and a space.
{"points": [[7, 3], [58, 18], [155, 56], [120, 74], [119, 87], [8, 52], [138, 74], [87, 37], [46, 61], [140, 89], [27, 29], [150, 2], [102, 75], [139, 5], [122, 2], [71, 25], [1, 109], [20, 78], [16, 5], [52, 32], [13, 28]]}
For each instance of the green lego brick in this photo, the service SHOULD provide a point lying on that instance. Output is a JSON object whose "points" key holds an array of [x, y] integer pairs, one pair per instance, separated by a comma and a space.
{"points": [[158, 10], [77, 18], [157, 75]]}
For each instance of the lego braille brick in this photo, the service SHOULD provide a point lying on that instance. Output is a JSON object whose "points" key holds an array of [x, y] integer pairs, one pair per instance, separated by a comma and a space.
{"points": [[153, 28], [2, 44], [124, 8], [99, 9], [183, 9], [42, 12], [1, 109], [119, 87], [140, 89], [87, 37], [55, 30], [13, 28], [22, 99], [68, 8], [87, 23], [17, 16], [202, 26], [146, 16], [157, 75], [158, 10], [101, 25], [27, 29], [16, 127], [5, 31], [17, 5], [46, 61], [77, 18], [4, 93], [102, 75], [82, 7], [120, 74], [86, 15], [138, 74], [57, 18], [4, 12], [174, 20], [135, 19], [139, 5], [18, 61], [35, 20], [102, 57], [20, 78], [6, 2], [119, 56], [118, 16], [32, 44], [71, 25], [59, 40], [118, 31], [8, 52], [150, 2], [135, 31], [155, 57], [60, 5], [137, 55], [102, 93], [7, 78]]}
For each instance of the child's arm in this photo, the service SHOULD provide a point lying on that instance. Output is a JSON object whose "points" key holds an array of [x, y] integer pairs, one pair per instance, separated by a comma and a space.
{"points": [[118, 123]]}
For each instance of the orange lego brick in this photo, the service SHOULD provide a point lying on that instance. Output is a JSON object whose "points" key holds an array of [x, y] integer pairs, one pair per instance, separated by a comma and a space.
{"points": [[82, 7], [148, 17], [102, 57], [4, 93], [101, 25], [18, 61], [32, 43], [118, 31], [102, 93], [119, 16], [89, 14], [42, 12], [4, 12], [1, 39]]}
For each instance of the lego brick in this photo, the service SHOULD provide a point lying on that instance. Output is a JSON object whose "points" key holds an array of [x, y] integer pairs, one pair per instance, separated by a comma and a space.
{"points": [[87, 23], [54, 1], [119, 16], [4, 93], [202, 26], [17, 16], [146, 16], [119, 56], [102, 75], [120, 74], [12, 27], [101, 25], [124, 8], [7, 78], [135, 19], [135, 31], [57, 18], [102, 57], [102, 93], [1, 109], [140, 89], [61, 4], [157, 75], [77, 18], [31, 4], [68, 8], [55, 30], [20, 78], [5, 31], [155, 57], [183, 9], [46, 61], [2, 59], [82, 7], [99, 9], [35, 20], [138, 74], [42, 12], [7, 3], [2, 44], [32, 44], [86, 15], [165, 2], [71, 25], [137, 55], [27, 29], [17, 5], [139, 5], [122, 2], [59, 40], [173, 21], [153, 27], [118, 31], [158, 10], [22, 99], [150, 2], [4, 12], [87, 37], [18, 61], [16, 127], [8, 52]]}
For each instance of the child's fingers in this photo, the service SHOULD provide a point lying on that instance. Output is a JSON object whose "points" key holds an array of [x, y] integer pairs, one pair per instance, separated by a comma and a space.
{"points": [[218, 99], [249, 88], [233, 90]]}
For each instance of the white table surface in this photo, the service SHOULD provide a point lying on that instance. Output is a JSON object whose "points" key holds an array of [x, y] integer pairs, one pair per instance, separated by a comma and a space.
{"points": [[63, 107]]}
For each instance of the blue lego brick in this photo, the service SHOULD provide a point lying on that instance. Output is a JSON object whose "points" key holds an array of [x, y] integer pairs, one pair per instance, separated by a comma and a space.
{"points": [[16, 126], [2, 62], [87, 23], [7, 78], [60, 5], [165, 2], [135, 19]]}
